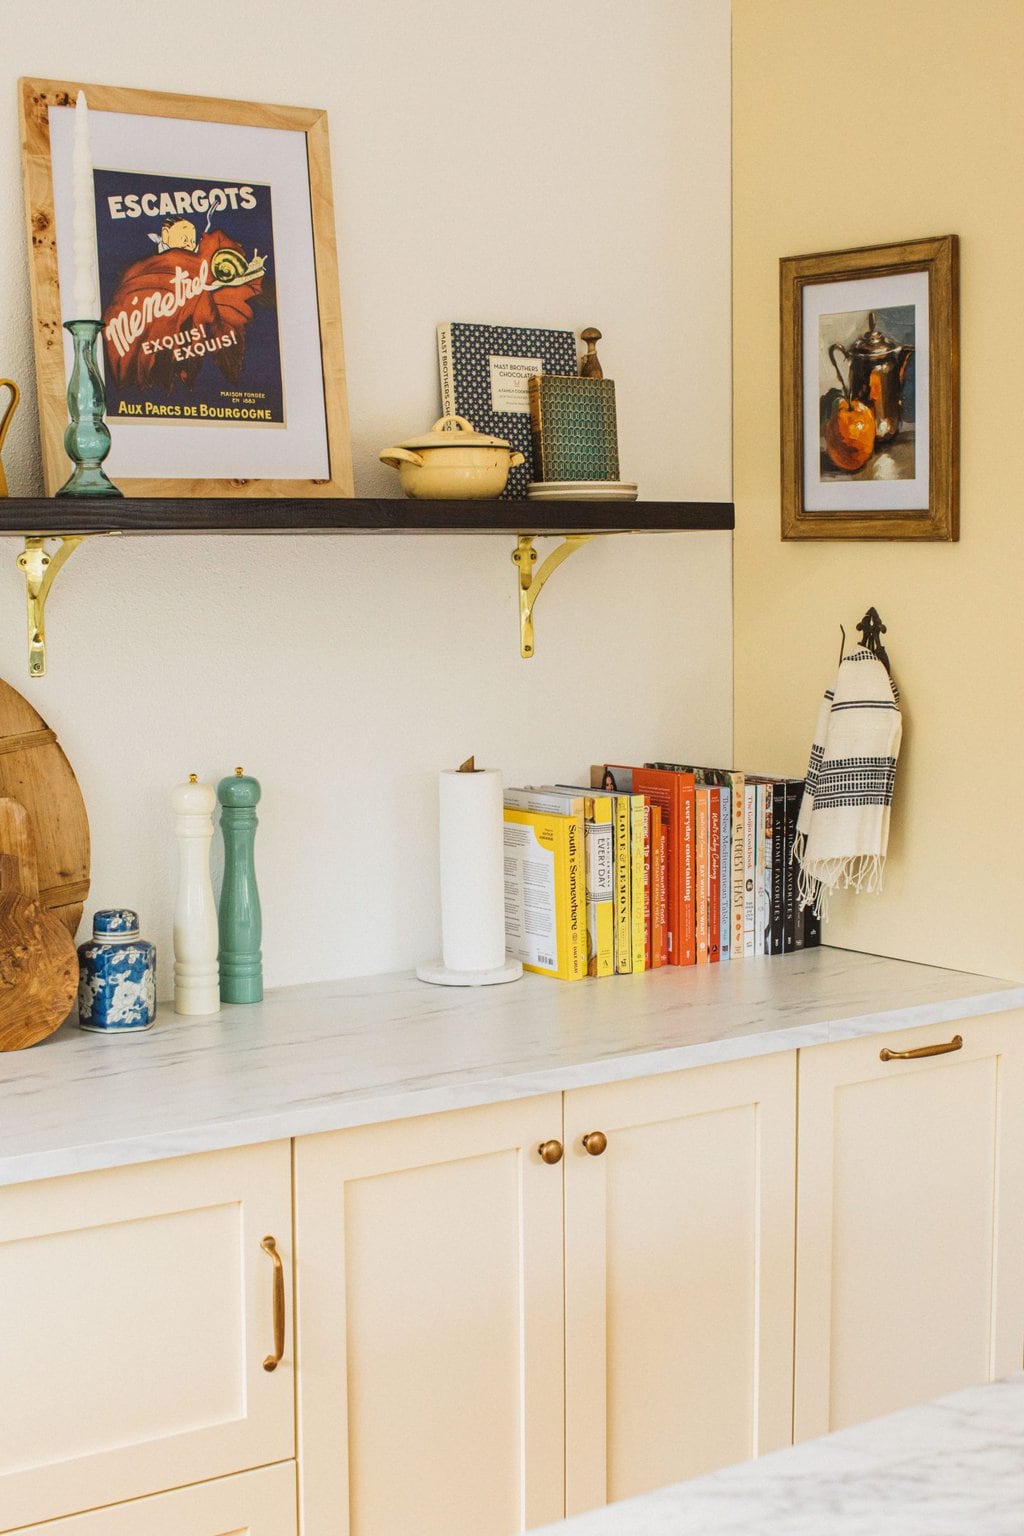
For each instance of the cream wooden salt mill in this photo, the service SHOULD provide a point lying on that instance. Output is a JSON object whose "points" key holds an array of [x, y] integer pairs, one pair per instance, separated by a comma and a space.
{"points": [[196, 978]]}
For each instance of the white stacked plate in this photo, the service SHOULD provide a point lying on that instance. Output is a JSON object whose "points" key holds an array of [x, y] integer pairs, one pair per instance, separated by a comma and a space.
{"points": [[581, 490]]}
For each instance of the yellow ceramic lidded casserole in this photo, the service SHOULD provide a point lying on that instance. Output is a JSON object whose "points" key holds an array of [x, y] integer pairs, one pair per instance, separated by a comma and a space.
{"points": [[452, 461]]}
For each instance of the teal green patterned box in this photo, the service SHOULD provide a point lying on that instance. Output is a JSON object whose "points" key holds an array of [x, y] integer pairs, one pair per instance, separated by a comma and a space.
{"points": [[572, 421]]}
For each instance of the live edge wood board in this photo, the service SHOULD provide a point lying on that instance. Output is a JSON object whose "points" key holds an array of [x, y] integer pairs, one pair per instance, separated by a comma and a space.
{"points": [[35, 772]]}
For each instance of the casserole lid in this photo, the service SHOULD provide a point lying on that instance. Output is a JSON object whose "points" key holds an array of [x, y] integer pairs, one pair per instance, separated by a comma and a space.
{"points": [[454, 432]]}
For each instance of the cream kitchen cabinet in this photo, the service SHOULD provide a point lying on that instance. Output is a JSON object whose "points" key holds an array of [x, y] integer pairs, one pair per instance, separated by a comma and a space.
{"points": [[910, 1234], [447, 1386], [429, 1318], [679, 1275], [138, 1311], [258, 1503]]}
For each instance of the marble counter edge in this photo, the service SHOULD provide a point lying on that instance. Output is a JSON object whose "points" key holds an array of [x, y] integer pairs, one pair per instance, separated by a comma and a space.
{"points": [[406, 1102], [916, 1015], [346, 1109]]}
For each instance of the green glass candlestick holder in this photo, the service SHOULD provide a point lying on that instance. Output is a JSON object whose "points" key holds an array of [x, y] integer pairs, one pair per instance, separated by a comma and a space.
{"points": [[87, 437]]}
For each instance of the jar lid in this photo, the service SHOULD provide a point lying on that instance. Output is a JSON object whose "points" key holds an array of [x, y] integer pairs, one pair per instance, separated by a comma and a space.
{"points": [[115, 923]]}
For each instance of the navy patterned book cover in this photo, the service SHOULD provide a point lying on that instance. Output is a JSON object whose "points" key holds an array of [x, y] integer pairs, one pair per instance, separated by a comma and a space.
{"points": [[485, 371]]}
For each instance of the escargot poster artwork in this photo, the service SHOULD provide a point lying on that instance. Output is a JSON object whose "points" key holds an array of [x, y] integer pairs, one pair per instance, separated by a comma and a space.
{"points": [[215, 269], [188, 298]]}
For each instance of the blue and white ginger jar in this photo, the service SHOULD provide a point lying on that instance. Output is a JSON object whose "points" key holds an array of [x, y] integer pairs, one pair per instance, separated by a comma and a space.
{"points": [[117, 975]]}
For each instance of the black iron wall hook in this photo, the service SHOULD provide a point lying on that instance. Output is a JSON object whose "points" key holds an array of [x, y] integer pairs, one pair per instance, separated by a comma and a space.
{"points": [[871, 631]]}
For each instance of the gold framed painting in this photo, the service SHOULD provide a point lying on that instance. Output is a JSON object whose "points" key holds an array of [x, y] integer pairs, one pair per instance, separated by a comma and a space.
{"points": [[216, 269], [870, 392]]}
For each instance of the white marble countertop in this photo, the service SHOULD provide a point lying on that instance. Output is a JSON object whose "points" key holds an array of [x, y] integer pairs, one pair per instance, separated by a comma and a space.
{"points": [[330, 1055], [954, 1467]]}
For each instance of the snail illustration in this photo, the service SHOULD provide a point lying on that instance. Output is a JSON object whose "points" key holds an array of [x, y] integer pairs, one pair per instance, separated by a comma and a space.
{"points": [[230, 269], [228, 265]]}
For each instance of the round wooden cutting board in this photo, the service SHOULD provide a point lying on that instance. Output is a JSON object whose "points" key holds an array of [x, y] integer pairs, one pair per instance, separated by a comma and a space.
{"points": [[34, 770]]}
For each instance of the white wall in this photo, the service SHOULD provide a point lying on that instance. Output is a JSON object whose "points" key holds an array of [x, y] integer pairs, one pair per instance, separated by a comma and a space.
{"points": [[558, 163]]}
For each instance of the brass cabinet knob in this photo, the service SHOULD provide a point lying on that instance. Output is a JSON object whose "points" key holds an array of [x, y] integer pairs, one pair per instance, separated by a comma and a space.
{"points": [[595, 1142], [551, 1151]]}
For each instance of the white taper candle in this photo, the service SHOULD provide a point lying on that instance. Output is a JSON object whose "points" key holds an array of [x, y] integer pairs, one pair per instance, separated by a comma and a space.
{"points": [[86, 290]]}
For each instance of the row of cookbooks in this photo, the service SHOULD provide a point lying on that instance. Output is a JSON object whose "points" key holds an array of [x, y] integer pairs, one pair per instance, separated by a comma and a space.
{"points": [[648, 866]]}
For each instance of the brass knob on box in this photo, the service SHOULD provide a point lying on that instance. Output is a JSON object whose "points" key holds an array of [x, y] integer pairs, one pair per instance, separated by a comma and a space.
{"points": [[595, 1142], [551, 1151]]}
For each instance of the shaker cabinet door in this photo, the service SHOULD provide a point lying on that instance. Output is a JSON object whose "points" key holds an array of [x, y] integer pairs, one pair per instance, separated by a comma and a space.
{"points": [[253, 1504], [138, 1309], [910, 1254], [679, 1275], [430, 1324]]}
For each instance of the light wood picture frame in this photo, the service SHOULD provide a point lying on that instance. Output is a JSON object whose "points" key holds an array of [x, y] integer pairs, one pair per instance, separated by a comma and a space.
{"points": [[870, 392], [179, 180]]}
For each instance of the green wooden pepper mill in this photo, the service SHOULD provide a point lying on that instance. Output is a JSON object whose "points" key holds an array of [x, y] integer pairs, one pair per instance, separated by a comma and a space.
{"points": [[240, 921]]}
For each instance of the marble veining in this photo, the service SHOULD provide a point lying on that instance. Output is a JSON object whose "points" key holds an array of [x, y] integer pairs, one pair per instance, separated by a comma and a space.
{"points": [[329, 1055], [954, 1467]]}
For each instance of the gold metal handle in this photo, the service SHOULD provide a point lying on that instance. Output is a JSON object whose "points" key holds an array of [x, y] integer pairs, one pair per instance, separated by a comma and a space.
{"points": [[595, 1142], [271, 1362], [551, 1151], [956, 1044]]}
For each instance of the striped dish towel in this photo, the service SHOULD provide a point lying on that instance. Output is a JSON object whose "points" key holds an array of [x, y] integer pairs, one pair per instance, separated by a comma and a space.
{"points": [[843, 827]]}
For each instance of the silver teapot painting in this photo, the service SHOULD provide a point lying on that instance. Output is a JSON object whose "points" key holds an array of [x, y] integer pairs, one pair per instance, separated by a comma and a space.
{"points": [[877, 368], [868, 423]]}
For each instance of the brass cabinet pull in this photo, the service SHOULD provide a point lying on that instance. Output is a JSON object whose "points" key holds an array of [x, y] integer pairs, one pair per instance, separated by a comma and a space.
{"points": [[595, 1142], [551, 1151], [956, 1044], [271, 1362]]}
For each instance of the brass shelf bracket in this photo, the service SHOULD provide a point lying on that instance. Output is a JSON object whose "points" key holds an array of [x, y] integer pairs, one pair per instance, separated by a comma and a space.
{"points": [[40, 568], [532, 580]]}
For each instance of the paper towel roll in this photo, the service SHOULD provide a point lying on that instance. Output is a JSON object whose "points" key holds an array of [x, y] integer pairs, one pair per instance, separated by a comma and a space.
{"points": [[472, 870]]}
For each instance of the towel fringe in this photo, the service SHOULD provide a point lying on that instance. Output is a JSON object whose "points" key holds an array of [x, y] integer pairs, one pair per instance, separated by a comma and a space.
{"points": [[819, 878]]}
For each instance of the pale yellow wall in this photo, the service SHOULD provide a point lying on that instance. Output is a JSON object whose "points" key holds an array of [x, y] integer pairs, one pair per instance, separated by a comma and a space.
{"points": [[855, 125]]}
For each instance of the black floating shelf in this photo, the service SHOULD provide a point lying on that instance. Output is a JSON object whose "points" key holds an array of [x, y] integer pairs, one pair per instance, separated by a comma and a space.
{"points": [[36, 516]]}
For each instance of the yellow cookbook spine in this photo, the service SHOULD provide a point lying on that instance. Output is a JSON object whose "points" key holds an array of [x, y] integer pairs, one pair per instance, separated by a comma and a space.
{"points": [[636, 862], [600, 886], [623, 886]]}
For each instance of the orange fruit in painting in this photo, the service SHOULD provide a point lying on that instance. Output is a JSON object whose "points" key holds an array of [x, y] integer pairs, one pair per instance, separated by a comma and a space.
{"points": [[850, 434]]}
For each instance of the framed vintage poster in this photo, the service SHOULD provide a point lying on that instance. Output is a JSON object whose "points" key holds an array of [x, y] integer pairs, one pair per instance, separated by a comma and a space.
{"points": [[870, 392], [220, 344]]}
